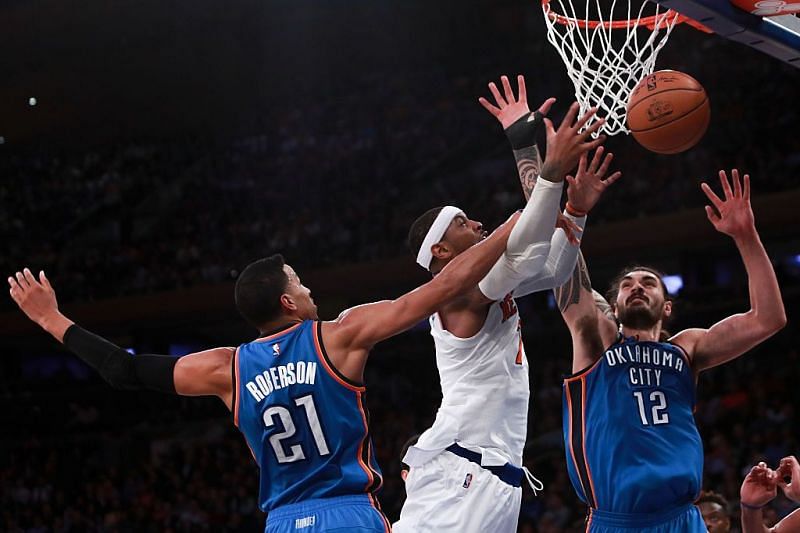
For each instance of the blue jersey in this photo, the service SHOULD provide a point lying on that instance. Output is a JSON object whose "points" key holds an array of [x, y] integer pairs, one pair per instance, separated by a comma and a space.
{"points": [[629, 431], [305, 423]]}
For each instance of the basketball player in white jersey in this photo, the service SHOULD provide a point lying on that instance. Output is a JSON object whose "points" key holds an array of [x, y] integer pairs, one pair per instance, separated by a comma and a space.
{"points": [[465, 471]]}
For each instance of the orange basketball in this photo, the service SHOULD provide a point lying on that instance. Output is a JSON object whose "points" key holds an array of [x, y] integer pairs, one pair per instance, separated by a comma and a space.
{"points": [[668, 112]]}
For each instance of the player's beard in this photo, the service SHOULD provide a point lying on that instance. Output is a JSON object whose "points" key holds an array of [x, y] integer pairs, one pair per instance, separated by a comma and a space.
{"points": [[639, 316]]}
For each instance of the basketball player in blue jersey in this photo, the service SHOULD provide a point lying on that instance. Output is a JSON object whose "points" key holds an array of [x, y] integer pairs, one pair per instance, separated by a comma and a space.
{"points": [[296, 392], [634, 453], [466, 469]]}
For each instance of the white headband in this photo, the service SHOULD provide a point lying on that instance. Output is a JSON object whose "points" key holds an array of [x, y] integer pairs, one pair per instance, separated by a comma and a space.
{"points": [[435, 234]]}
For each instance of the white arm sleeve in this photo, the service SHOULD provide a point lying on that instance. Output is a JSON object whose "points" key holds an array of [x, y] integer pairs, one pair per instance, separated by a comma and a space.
{"points": [[560, 263], [529, 243]]}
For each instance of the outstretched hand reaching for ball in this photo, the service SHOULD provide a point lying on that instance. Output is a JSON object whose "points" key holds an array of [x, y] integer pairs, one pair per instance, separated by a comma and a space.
{"points": [[732, 216], [585, 189], [509, 109]]}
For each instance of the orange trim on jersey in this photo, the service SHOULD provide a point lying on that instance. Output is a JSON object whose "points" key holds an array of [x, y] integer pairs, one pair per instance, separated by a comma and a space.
{"points": [[330, 371], [583, 439], [278, 334], [387, 528], [519, 353], [571, 449], [236, 390], [359, 452], [580, 374], [589, 519]]}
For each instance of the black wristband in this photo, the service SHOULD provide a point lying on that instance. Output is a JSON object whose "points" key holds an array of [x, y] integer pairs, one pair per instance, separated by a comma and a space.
{"points": [[522, 133], [119, 368]]}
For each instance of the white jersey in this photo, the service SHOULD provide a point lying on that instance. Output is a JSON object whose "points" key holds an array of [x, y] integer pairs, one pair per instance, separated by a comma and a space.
{"points": [[485, 391]]}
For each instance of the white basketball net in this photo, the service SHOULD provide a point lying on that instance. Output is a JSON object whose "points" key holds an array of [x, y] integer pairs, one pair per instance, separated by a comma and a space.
{"points": [[605, 58]]}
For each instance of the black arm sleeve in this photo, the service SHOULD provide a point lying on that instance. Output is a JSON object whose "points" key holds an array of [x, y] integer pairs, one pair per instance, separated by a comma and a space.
{"points": [[119, 368], [522, 133]]}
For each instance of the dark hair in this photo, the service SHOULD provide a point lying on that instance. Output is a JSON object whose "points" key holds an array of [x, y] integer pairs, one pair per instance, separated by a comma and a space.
{"points": [[613, 291], [709, 496], [406, 445], [259, 289], [420, 228]]}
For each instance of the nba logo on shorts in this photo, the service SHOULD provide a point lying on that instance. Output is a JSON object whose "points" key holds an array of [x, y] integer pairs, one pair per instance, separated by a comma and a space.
{"points": [[467, 481]]}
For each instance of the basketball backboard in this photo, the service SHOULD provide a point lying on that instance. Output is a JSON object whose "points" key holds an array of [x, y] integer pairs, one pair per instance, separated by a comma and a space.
{"points": [[777, 35]]}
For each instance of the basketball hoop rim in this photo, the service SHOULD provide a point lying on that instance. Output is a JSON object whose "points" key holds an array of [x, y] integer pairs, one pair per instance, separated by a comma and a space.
{"points": [[652, 22]]}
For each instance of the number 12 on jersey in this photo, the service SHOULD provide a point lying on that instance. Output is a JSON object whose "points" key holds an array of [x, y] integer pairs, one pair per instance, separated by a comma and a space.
{"points": [[295, 451], [658, 408]]}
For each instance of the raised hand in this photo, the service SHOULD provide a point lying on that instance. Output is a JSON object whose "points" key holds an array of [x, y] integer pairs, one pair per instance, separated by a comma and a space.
{"points": [[585, 189], [36, 298], [509, 109], [789, 469], [732, 216], [567, 144], [759, 486]]}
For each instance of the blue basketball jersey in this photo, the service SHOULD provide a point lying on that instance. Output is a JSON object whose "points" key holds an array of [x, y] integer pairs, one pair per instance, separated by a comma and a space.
{"points": [[631, 441], [305, 423]]}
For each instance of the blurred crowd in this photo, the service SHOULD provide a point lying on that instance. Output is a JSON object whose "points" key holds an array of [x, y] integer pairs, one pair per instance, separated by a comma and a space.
{"points": [[83, 457], [339, 177]]}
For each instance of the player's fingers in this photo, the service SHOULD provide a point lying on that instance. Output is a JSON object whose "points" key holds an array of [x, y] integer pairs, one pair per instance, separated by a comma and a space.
{"points": [[29, 277], [44, 281], [595, 164], [594, 144], [582, 162], [523, 92], [488, 106], [606, 163], [545, 107], [586, 118], [612, 178], [746, 194], [496, 93], [726, 187], [12, 283], [21, 281], [593, 128], [737, 185], [569, 118], [712, 196], [713, 218], [507, 89], [548, 126]]}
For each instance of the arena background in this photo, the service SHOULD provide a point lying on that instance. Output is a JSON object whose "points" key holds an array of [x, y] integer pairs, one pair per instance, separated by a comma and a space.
{"points": [[173, 142]]}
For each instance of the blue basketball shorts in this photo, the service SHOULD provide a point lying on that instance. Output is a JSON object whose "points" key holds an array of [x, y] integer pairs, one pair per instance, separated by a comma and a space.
{"points": [[355, 514], [684, 519]]}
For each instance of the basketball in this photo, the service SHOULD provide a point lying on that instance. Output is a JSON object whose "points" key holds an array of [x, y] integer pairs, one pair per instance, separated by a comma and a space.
{"points": [[668, 112]]}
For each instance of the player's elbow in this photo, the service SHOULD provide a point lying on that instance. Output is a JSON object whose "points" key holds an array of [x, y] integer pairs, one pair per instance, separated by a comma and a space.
{"points": [[772, 323]]}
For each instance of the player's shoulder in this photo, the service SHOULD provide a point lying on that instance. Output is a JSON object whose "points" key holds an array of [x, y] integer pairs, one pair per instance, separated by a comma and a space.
{"points": [[687, 339]]}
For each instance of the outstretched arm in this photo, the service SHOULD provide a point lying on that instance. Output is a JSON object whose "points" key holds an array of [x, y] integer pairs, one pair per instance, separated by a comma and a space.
{"points": [[737, 334], [583, 193], [530, 243], [205, 373], [359, 328]]}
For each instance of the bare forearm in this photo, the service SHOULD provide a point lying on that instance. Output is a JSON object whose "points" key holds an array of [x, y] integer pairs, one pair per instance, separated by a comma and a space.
{"points": [[765, 295], [468, 268]]}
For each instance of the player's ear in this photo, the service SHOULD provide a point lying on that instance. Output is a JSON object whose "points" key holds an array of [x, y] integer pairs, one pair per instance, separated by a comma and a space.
{"points": [[288, 303], [667, 309], [441, 250]]}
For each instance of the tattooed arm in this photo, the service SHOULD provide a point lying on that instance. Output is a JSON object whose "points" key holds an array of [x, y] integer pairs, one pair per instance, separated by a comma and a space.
{"points": [[588, 316], [529, 164]]}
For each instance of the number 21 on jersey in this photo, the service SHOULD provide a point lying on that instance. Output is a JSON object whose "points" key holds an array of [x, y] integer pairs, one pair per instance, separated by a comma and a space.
{"points": [[295, 452]]}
